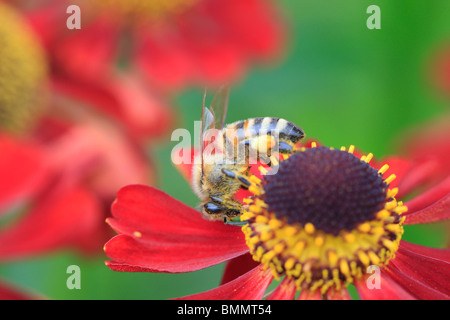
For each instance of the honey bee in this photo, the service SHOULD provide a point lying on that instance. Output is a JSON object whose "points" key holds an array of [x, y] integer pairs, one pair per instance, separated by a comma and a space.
{"points": [[218, 175]]}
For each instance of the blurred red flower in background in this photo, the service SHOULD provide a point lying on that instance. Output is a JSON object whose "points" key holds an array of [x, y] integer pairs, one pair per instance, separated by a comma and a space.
{"points": [[170, 43], [65, 152], [441, 70], [157, 233]]}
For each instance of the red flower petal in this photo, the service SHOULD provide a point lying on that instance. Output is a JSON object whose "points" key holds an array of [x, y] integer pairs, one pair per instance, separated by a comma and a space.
{"points": [[426, 273], [418, 173], [342, 294], [8, 292], [123, 99], [438, 211], [262, 36], [23, 171], [211, 42], [250, 286], [164, 58], [44, 18], [122, 267], [217, 58], [430, 143], [417, 272], [284, 291], [141, 109], [237, 267], [431, 206], [416, 288], [389, 290], [308, 295], [86, 54], [99, 147], [161, 233], [61, 218], [433, 253]]}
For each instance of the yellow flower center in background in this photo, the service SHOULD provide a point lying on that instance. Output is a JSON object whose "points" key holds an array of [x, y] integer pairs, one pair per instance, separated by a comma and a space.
{"points": [[23, 72], [144, 9], [323, 218]]}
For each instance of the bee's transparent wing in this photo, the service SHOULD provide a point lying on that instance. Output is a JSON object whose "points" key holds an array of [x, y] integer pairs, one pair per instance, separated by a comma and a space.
{"points": [[214, 116], [219, 106]]}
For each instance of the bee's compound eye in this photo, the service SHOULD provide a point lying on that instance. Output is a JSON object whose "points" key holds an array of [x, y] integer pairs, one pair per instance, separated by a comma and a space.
{"points": [[213, 208]]}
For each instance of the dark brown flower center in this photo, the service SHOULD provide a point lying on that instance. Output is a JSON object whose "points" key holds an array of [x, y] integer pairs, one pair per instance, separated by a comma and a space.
{"points": [[332, 189]]}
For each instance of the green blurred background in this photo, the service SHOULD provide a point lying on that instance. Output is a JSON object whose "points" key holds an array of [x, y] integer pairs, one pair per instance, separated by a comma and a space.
{"points": [[343, 83]]}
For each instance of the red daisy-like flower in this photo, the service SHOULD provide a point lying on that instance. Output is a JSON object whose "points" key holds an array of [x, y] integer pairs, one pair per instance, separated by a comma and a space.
{"points": [[75, 69], [170, 43], [318, 224]]}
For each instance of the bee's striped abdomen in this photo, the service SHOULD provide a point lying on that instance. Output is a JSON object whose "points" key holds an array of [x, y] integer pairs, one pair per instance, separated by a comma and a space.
{"points": [[251, 128], [244, 131]]}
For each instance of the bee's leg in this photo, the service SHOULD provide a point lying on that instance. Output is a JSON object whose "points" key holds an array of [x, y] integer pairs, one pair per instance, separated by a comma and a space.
{"points": [[245, 183], [266, 160], [215, 209], [234, 207], [284, 148]]}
